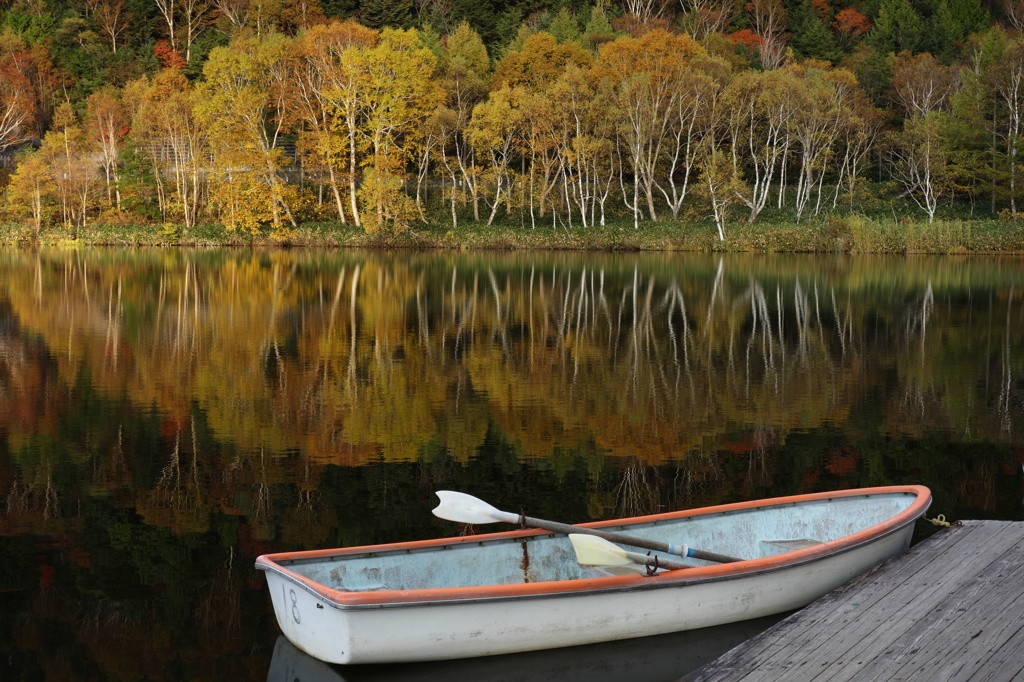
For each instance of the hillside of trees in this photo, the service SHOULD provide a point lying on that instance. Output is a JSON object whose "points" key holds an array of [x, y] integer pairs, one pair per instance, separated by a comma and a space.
{"points": [[263, 114]]}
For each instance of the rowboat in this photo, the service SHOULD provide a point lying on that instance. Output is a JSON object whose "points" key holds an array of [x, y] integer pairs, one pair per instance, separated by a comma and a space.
{"points": [[664, 657], [525, 590]]}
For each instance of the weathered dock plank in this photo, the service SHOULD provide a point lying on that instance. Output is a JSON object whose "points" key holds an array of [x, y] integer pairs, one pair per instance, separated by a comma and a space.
{"points": [[952, 608], [969, 615], [844, 627], [849, 625]]}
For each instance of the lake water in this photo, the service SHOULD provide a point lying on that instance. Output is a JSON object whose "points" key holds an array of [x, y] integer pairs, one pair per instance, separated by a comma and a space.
{"points": [[168, 415]]}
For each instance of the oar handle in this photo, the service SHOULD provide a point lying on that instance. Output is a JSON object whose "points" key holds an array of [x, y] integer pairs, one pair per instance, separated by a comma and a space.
{"points": [[653, 562], [633, 541], [711, 556]]}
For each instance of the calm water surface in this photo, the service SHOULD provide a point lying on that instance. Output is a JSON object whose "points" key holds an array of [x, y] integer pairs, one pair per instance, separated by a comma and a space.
{"points": [[166, 416]]}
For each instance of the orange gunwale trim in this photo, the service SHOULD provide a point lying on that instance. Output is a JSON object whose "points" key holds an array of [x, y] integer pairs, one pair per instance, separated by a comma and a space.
{"points": [[343, 599]]}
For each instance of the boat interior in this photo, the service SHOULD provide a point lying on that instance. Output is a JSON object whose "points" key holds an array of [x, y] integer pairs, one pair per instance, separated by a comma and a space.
{"points": [[748, 533]]}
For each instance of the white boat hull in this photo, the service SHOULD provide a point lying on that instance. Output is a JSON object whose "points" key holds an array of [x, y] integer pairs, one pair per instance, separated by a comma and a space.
{"points": [[445, 624]]}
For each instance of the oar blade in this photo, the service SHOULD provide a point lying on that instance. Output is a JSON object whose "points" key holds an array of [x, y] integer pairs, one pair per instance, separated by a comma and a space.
{"points": [[594, 551], [464, 508]]}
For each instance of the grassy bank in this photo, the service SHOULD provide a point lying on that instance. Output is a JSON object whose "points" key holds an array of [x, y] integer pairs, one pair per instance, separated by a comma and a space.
{"points": [[852, 234]]}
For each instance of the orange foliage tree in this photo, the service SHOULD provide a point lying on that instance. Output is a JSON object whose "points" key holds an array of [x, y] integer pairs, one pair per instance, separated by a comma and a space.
{"points": [[849, 24], [17, 96]]}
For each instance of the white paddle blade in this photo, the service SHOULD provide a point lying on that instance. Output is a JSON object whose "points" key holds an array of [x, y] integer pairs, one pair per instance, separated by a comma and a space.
{"points": [[594, 551], [464, 508]]}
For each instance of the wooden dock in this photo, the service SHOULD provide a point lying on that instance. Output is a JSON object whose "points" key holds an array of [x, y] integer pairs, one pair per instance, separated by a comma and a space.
{"points": [[951, 608]]}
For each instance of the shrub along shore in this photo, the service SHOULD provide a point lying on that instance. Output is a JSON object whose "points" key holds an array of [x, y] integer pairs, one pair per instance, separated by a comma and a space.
{"points": [[850, 234]]}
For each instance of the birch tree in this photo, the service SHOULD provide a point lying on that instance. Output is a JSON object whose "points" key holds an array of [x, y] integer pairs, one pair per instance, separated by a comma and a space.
{"points": [[108, 125], [704, 17], [923, 87], [644, 10], [761, 105], [168, 11], [195, 17], [860, 129], [583, 138], [817, 123], [112, 20], [462, 71], [1008, 77], [1014, 12], [539, 148], [235, 12], [719, 183], [242, 103], [67, 148], [446, 125], [769, 20], [184, 21], [314, 66], [344, 92], [165, 125], [646, 75], [30, 187], [922, 84], [531, 72], [492, 131], [694, 114], [396, 95], [920, 159]]}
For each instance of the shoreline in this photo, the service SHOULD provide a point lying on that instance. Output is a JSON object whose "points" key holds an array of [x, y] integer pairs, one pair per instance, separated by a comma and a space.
{"points": [[852, 235]]}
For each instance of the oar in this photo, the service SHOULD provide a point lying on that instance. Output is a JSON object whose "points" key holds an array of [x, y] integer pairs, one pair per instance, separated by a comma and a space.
{"points": [[465, 508], [594, 551]]}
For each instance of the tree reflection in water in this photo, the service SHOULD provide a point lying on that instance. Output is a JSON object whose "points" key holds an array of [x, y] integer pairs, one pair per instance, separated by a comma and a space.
{"points": [[167, 415]]}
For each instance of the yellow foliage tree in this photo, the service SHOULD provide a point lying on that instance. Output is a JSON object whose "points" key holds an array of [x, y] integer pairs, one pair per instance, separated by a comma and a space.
{"points": [[462, 71], [492, 131], [242, 101], [30, 187], [66, 149], [531, 73], [165, 126], [314, 66], [107, 125], [397, 95]]}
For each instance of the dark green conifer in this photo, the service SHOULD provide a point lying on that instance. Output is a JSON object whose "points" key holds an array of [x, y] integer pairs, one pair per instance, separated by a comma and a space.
{"points": [[387, 13], [812, 38]]}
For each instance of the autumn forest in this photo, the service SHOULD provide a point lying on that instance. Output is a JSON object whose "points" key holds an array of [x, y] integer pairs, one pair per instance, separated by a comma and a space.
{"points": [[261, 115]]}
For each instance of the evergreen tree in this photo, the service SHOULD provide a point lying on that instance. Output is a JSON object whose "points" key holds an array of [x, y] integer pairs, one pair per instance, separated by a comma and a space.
{"points": [[977, 168], [480, 14], [874, 72], [564, 26], [598, 28], [898, 28], [387, 13], [811, 38], [598, 21], [339, 8], [954, 21], [507, 27]]}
